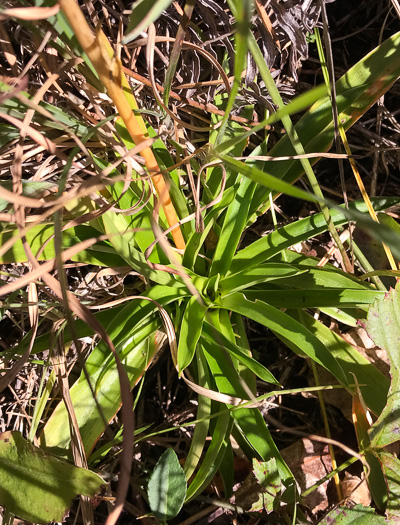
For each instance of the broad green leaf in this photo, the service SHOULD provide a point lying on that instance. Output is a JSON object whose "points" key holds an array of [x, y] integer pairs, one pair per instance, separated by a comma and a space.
{"points": [[358, 515], [285, 326], [167, 487], [38, 487], [267, 475], [143, 14], [190, 331], [383, 327]]}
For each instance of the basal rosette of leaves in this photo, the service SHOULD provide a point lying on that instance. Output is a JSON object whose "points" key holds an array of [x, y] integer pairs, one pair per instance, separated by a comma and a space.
{"points": [[200, 296]]}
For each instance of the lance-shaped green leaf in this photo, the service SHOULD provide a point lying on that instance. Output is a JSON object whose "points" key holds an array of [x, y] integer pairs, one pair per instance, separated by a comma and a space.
{"points": [[373, 384], [324, 297], [232, 229], [190, 331], [262, 274], [285, 326], [40, 240], [383, 327], [276, 241], [204, 407], [215, 452], [97, 397], [37, 486], [213, 336]]}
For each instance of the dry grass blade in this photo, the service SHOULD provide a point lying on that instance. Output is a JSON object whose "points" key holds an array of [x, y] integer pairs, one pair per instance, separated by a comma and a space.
{"points": [[30, 13], [209, 108], [176, 50], [150, 65], [60, 368], [110, 73], [17, 367]]}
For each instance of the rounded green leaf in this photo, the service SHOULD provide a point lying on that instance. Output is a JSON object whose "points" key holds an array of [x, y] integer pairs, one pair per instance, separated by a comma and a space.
{"points": [[37, 486], [167, 487]]}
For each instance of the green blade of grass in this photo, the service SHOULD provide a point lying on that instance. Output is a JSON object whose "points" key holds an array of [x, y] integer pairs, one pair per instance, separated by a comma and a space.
{"points": [[190, 331], [356, 91], [232, 229], [284, 237], [287, 327], [320, 298], [373, 384], [93, 413]]}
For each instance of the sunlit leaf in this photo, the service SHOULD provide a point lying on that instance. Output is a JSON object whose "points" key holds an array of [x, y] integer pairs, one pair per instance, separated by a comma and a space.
{"points": [[383, 327], [167, 486]]}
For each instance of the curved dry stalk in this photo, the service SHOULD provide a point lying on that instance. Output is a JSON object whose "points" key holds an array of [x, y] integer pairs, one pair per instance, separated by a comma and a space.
{"points": [[110, 73]]}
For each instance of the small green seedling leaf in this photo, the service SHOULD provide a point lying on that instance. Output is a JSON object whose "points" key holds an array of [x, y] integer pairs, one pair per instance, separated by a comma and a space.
{"points": [[383, 328], [267, 475], [37, 486], [167, 487], [358, 515]]}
